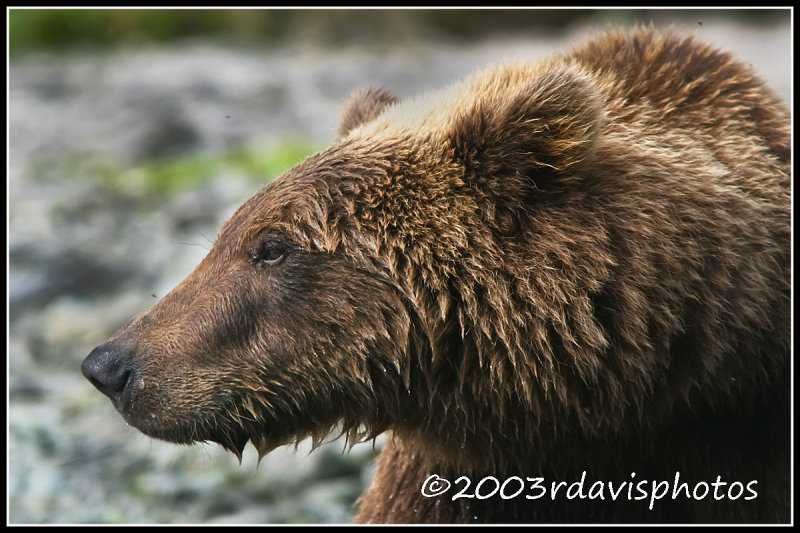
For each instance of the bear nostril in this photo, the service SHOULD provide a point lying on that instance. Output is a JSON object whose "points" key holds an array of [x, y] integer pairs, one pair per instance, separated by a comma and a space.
{"points": [[104, 368]]}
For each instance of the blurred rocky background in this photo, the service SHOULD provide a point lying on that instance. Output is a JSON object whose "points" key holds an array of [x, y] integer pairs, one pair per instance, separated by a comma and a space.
{"points": [[132, 135]]}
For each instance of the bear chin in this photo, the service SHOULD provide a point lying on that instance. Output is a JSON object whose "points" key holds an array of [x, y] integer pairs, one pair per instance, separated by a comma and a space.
{"points": [[233, 435]]}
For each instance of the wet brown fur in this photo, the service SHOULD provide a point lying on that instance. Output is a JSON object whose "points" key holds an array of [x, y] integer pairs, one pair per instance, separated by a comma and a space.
{"points": [[577, 265]]}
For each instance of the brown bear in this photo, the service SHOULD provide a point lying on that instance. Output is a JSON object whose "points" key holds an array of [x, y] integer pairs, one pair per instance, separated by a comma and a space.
{"points": [[564, 288]]}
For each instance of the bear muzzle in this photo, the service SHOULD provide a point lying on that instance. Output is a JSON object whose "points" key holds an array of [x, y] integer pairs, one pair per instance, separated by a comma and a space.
{"points": [[111, 367], [106, 369]]}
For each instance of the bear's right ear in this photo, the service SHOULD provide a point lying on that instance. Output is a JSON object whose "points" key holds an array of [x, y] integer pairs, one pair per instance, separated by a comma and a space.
{"points": [[363, 106], [539, 126]]}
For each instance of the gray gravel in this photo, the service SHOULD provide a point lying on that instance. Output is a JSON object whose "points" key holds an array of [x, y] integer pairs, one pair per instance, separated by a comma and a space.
{"points": [[85, 258]]}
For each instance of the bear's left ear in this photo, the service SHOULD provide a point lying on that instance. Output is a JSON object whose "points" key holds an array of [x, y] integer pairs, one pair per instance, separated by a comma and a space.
{"points": [[363, 106], [539, 128]]}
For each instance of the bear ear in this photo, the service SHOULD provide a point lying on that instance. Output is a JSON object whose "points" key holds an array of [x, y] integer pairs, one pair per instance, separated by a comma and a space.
{"points": [[539, 128], [363, 106]]}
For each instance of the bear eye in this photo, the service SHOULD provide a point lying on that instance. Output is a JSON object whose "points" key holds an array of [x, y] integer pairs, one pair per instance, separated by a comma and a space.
{"points": [[269, 253]]}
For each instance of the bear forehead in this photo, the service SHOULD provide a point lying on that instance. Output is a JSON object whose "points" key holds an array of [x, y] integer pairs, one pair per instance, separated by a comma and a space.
{"points": [[305, 202], [281, 207]]}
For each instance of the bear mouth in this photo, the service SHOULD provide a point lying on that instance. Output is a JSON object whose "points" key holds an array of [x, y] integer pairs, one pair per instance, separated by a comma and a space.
{"points": [[232, 440], [226, 423], [217, 429]]}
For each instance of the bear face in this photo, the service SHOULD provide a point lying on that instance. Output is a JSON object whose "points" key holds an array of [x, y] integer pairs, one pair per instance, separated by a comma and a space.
{"points": [[532, 267], [231, 330], [336, 248]]}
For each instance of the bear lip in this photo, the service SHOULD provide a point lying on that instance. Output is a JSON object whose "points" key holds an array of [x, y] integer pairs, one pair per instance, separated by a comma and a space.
{"points": [[233, 440]]}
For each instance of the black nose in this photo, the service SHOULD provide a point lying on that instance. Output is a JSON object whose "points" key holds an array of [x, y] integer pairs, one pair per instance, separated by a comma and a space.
{"points": [[105, 368]]}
